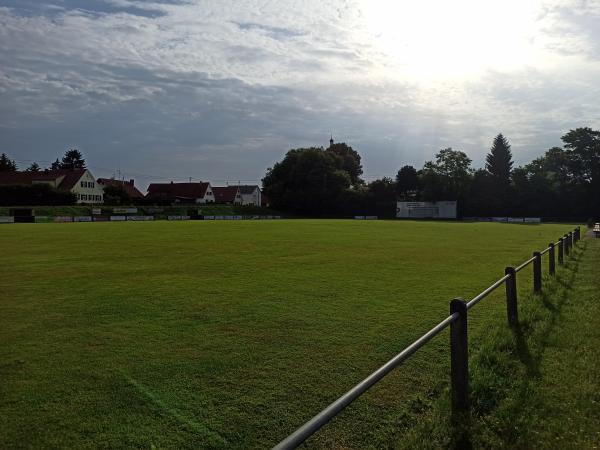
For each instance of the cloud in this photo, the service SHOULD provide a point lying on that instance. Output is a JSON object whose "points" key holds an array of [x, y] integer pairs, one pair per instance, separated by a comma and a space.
{"points": [[221, 89]]}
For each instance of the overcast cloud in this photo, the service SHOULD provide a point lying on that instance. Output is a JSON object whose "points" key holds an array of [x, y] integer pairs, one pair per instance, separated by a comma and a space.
{"points": [[220, 90]]}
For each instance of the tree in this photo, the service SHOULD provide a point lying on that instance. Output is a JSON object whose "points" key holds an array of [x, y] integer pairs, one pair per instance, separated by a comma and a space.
{"points": [[36, 194], [551, 178], [116, 195], [499, 162], [383, 190], [350, 160], [6, 164], [72, 160], [307, 181], [499, 167], [583, 149], [34, 167], [407, 181], [55, 165], [448, 177]]}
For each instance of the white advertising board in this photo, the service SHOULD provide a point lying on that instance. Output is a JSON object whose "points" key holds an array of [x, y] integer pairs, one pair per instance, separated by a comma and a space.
{"points": [[426, 210], [140, 218], [125, 210]]}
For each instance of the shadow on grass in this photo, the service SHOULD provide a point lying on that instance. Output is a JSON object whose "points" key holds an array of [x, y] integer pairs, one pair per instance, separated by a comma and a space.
{"points": [[530, 340]]}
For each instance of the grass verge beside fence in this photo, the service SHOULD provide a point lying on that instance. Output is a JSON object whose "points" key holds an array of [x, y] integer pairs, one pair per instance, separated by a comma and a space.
{"points": [[538, 387]]}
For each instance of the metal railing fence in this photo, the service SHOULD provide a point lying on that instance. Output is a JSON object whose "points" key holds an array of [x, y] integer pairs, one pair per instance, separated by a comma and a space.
{"points": [[459, 351]]}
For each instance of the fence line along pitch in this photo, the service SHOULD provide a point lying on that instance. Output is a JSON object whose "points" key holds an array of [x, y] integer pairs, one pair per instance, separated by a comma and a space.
{"points": [[458, 322]]}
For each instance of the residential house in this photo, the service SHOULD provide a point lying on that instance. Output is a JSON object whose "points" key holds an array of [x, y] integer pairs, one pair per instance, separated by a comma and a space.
{"points": [[250, 195], [229, 195], [127, 186], [80, 182], [181, 192]]}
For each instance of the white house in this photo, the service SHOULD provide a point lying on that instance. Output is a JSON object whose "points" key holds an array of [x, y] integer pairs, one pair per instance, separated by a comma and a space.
{"points": [[251, 195], [80, 182]]}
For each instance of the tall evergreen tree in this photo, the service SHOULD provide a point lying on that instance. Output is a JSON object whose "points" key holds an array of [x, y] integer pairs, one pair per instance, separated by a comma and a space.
{"points": [[6, 164], [499, 161], [72, 160]]}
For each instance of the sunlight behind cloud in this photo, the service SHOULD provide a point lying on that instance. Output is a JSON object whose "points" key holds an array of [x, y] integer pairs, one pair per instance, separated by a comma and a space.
{"points": [[459, 39]]}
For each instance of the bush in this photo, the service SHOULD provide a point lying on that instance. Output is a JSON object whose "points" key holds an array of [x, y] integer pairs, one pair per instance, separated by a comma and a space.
{"points": [[37, 194]]}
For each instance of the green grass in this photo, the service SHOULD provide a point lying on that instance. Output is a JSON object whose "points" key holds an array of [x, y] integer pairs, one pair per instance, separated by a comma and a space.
{"points": [[231, 334], [539, 386]]}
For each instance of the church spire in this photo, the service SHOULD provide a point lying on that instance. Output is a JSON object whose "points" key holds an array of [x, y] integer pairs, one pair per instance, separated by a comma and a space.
{"points": [[331, 141]]}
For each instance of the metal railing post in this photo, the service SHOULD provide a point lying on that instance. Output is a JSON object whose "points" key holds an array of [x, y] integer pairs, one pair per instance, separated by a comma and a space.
{"points": [[566, 244], [561, 244], [570, 241], [459, 357], [551, 259], [512, 312], [537, 272]]}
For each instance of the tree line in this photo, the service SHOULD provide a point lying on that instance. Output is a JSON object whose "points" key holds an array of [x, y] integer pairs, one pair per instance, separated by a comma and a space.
{"points": [[562, 183], [72, 160]]}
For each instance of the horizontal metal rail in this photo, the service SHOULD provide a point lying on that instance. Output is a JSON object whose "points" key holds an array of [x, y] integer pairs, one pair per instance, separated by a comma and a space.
{"points": [[487, 292], [310, 427], [525, 264], [546, 250]]}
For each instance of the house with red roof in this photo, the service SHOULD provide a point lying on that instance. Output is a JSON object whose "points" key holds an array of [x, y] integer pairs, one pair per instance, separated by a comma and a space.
{"points": [[229, 195], [80, 182], [127, 186], [181, 192]]}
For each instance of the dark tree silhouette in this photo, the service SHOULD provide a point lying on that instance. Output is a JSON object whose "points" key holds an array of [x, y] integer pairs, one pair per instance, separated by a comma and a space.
{"points": [[499, 167], [55, 165], [350, 160], [307, 181], [34, 167], [499, 162], [116, 195], [72, 160], [6, 164], [448, 177], [407, 181]]}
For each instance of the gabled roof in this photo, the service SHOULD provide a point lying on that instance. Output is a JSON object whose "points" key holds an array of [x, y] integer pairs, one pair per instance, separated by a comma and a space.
{"points": [[225, 194], [67, 178], [248, 189], [187, 191], [71, 178], [128, 186]]}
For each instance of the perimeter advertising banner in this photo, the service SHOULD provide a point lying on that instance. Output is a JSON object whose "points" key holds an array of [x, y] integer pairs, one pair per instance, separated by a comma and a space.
{"points": [[426, 210]]}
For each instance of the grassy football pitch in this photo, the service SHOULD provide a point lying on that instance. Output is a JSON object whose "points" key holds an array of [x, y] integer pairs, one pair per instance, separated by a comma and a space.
{"points": [[231, 334]]}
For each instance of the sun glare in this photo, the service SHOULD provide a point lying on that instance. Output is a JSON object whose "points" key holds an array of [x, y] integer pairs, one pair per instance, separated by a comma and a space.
{"points": [[450, 39]]}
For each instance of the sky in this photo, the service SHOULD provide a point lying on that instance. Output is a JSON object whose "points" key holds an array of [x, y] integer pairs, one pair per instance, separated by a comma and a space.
{"points": [[219, 90]]}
